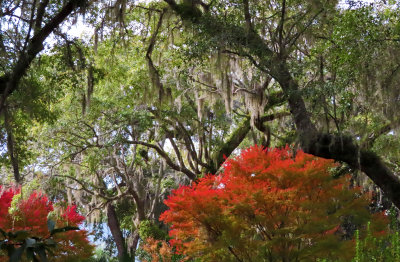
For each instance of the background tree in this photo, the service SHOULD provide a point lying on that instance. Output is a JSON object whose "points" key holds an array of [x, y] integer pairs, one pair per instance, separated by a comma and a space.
{"points": [[25, 27]]}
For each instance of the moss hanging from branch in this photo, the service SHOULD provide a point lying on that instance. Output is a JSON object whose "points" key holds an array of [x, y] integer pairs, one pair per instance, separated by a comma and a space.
{"points": [[153, 72]]}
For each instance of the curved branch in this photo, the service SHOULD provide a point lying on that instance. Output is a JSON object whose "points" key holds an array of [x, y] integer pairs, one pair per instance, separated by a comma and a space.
{"points": [[222, 152], [153, 72], [87, 190], [163, 154]]}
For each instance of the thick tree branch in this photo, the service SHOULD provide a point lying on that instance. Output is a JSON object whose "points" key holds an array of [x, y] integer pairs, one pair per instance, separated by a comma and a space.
{"points": [[9, 82], [153, 72], [310, 139], [39, 15], [281, 26], [91, 192], [177, 152], [225, 150], [31, 21], [247, 16], [369, 141], [343, 148], [274, 116]]}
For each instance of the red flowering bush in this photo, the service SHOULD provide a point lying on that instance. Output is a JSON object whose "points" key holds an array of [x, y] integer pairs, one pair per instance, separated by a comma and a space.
{"points": [[268, 205], [30, 215]]}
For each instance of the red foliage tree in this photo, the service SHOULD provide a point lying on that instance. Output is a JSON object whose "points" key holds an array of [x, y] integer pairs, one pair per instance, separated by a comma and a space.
{"points": [[31, 215], [268, 205]]}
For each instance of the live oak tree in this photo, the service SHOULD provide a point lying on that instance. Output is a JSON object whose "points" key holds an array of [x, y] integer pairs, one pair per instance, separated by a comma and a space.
{"points": [[276, 37], [97, 139], [117, 182], [283, 53]]}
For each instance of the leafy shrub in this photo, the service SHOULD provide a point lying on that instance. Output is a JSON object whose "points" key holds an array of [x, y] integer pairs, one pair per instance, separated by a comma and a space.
{"points": [[373, 248], [154, 246], [26, 228], [153, 250], [269, 205], [147, 229]]}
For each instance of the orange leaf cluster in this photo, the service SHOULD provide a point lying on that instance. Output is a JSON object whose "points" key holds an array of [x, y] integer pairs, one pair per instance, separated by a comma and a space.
{"points": [[267, 205], [159, 250]]}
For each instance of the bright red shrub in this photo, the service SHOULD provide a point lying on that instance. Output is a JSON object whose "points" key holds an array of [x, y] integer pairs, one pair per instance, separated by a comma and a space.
{"points": [[31, 214], [267, 205], [6, 196]]}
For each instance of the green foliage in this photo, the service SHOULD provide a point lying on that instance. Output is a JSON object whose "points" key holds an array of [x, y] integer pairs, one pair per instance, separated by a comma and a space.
{"points": [[101, 256], [345, 61], [125, 211], [148, 229], [22, 242], [380, 248], [374, 248]]}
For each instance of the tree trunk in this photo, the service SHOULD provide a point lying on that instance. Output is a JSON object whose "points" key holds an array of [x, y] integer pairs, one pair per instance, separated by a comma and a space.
{"points": [[305, 128], [11, 150], [113, 224], [132, 243]]}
